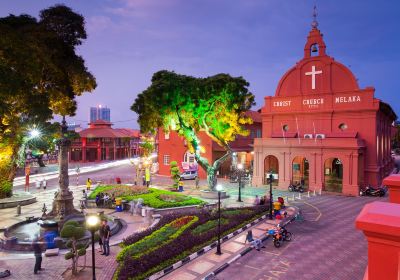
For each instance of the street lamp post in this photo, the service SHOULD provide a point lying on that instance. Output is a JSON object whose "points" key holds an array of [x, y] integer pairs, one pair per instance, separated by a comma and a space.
{"points": [[92, 222], [219, 189], [270, 195], [239, 172]]}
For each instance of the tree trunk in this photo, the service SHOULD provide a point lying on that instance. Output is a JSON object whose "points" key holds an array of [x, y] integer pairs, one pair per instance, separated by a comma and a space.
{"points": [[40, 161]]}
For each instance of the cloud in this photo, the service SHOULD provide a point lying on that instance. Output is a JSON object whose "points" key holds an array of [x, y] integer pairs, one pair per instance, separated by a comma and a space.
{"points": [[97, 24], [141, 8]]}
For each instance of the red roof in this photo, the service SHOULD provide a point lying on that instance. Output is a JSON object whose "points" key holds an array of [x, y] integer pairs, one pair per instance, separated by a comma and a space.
{"points": [[254, 115], [108, 132]]}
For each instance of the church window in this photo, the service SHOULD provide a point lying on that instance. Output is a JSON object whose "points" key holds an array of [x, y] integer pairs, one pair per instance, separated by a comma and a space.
{"points": [[285, 127], [342, 126], [166, 159], [314, 50]]}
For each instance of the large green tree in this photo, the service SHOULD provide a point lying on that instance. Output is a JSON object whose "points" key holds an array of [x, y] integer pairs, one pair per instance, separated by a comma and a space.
{"points": [[189, 105], [40, 75]]}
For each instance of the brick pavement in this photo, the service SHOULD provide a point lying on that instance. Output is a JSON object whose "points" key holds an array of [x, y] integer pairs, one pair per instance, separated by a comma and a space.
{"points": [[324, 247]]}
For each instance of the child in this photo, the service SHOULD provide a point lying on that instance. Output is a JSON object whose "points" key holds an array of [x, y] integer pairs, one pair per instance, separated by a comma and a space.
{"points": [[88, 184]]}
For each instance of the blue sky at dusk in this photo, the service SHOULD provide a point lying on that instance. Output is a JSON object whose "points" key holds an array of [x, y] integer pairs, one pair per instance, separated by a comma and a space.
{"points": [[129, 40]]}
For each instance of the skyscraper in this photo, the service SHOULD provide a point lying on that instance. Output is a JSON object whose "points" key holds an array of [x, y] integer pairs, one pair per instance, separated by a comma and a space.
{"points": [[100, 113]]}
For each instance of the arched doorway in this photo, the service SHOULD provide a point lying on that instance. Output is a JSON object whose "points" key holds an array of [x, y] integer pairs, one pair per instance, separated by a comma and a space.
{"points": [[271, 164], [333, 175], [300, 172]]}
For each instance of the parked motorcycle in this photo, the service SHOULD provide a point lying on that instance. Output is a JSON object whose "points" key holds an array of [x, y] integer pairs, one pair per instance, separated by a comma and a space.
{"points": [[371, 191], [296, 188], [280, 235]]}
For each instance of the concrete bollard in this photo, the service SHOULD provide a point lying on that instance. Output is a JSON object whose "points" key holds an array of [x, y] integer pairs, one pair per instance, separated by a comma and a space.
{"points": [[19, 209], [314, 193], [320, 191], [299, 196], [308, 194], [293, 197]]}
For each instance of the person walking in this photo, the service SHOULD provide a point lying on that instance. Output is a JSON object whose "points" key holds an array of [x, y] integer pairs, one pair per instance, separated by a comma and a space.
{"points": [[88, 184], [106, 239], [101, 238], [147, 173], [197, 182], [37, 249]]}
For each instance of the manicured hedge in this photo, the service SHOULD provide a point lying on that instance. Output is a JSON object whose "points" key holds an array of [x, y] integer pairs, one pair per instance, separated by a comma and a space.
{"points": [[183, 245], [160, 237], [153, 198]]}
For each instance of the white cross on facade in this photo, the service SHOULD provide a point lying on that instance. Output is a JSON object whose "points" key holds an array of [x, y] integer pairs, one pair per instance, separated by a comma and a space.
{"points": [[313, 73]]}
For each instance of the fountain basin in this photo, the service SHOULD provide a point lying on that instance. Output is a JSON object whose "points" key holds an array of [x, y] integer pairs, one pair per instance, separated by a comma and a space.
{"points": [[20, 236]]}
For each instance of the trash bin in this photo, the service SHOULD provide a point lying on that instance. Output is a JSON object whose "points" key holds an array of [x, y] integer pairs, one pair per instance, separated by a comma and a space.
{"points": [[118, 204]]}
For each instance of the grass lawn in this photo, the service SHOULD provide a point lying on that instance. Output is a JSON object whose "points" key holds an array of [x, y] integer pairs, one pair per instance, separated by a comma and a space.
{"points": [[151, 197]]}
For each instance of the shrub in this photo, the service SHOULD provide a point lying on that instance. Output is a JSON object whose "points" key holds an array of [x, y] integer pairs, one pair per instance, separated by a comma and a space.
{"points": [[158, 238], [73, 231], [208, 225], [175, 176], [154, 197]]}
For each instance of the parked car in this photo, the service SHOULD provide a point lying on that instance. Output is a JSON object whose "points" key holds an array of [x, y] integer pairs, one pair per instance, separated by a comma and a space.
{"points": [[189, 175]]}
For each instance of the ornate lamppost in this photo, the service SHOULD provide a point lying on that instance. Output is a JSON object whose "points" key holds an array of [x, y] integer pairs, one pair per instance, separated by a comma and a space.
{"points": [[270, 194], [239, 171], [219, 188], [92, 223]]}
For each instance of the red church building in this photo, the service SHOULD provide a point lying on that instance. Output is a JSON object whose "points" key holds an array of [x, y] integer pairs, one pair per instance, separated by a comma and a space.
{"points": [[322, 129], [172, 147], [101, 142]]}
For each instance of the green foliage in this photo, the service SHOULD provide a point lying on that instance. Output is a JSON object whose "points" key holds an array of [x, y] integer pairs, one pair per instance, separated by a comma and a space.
{"points": [[68, 255], [175, 173], [73, 232], [40, 73], [154, 197], [157, 239], [5, 188], [147, 146], [236, 212], [208, 225], [188, 105], [82, 252]]}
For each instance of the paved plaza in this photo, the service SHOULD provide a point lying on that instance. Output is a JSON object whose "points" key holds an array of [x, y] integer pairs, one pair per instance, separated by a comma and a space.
{"points": [[326, 245], [323, 243]]}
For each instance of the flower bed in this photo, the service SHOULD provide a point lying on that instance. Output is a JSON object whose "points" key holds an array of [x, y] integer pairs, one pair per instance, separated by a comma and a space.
{"points": [[196, 235], [158, 238], [151, 197]]}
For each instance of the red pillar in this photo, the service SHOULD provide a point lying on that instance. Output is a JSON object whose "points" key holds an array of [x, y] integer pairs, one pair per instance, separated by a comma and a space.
{"points": [[393, 184], [115, 149], [380, 222], [83, 149]]}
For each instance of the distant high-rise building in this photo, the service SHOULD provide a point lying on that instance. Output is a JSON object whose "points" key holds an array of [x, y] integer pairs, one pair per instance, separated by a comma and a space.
{"points": [[100, 113]]}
